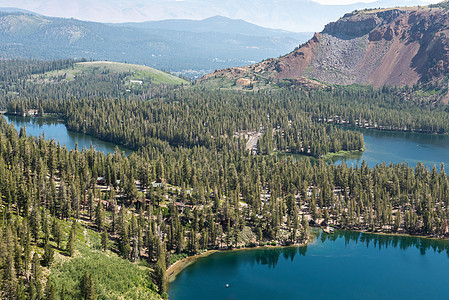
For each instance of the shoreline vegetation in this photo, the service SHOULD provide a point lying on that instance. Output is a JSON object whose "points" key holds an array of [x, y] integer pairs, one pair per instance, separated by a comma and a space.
{"points": [[399, 234], [176, 268], [192, 186], [181, 264], [331, 155]]}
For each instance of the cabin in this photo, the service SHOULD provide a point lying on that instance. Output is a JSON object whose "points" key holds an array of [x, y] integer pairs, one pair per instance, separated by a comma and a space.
{"points": [[136, 81], [101, 180], [160, 182]]}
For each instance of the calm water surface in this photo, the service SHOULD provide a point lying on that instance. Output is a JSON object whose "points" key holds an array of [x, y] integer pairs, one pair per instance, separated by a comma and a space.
{"points": [[56, 130], [381, 146], [345, 265], [398, 147]]}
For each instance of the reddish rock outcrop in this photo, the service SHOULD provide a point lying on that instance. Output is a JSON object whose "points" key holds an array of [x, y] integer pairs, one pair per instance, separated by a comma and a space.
{"points": [[395, 47]]}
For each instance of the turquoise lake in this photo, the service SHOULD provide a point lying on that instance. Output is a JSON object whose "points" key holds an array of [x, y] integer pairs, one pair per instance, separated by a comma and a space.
{"points": [[381, 146], [56, 130], [343, 265], [398, 147]]}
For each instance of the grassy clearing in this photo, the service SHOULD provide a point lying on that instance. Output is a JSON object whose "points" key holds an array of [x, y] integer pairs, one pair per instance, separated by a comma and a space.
{"points": [[341, 153], [114, 277], [138, 72]]}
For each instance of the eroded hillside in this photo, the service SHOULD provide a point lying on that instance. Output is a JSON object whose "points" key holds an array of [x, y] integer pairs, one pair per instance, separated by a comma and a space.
{"points": [[396, 47]]}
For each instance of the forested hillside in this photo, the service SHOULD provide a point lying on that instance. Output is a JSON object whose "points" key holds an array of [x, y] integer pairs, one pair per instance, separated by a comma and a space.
{"points": [[81, 223], [178, 48]]}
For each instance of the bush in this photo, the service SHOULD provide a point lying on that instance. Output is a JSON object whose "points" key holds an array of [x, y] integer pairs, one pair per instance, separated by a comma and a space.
{"points": [[113, 276]]}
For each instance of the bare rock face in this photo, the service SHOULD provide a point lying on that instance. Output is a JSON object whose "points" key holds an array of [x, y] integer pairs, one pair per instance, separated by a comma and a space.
{"points": [[395, 47], [353, 25]]}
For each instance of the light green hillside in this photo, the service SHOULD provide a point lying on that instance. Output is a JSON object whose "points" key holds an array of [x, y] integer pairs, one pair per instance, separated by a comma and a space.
{"points": [[138, 72]]}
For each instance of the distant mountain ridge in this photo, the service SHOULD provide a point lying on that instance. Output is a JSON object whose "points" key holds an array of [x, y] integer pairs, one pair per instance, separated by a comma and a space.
{"points": [[395, 47], [292, 15], [176, 49], [213, 24]]}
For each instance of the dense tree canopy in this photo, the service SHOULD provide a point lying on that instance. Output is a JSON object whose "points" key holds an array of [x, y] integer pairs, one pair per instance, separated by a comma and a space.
{"points": [[191, 184]]}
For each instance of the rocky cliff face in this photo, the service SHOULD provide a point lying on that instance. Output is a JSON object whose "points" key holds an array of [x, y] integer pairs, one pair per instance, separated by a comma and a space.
{"points": [[395, 47]]}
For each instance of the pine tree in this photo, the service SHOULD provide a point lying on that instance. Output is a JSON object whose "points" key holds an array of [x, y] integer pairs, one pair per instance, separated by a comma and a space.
{"points": [[48, 256], [99, 216], [20, 291], [87, 287], [35, 222], [159, 272], [104, 240], [56, 231], [9, 279], [35, 267], [71, 241]]}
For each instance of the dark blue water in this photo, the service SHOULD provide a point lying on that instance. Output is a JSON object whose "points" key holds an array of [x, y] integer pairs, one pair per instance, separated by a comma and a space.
{"points": [[381, 146], [345, 265], [398, 147], [56, 130]]}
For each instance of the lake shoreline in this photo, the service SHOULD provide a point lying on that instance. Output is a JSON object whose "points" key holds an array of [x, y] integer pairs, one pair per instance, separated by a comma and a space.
{"points": [[181, 264], [396, 234], [342, 153], [347, 257], [53, 127], [176, 268]]}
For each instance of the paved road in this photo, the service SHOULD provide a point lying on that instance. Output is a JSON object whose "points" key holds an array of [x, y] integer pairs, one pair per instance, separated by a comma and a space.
{"points": [[252, 142]]}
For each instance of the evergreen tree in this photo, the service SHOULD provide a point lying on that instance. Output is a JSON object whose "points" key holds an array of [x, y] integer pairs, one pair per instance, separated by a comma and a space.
{"points": [[57, 232], [50, 292], [87, 287], [48, 256], [71, 241], [99, 216], [104, 240]]}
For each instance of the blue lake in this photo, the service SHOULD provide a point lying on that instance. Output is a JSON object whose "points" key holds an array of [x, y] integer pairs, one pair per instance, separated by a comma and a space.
{"points": [[344, 265], [398, 147], [56, 130]]}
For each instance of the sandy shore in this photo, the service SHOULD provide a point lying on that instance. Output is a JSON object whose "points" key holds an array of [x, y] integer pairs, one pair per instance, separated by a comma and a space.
{"points": [[180, 265]]}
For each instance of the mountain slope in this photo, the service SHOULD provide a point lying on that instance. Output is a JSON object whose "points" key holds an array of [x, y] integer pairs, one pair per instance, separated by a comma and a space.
{"points": [[218, 24], [293, 15], [137, 74], [174, 49], [395, 47]]}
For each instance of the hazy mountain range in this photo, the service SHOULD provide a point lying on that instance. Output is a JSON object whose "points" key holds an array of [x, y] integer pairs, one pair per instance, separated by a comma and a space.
{"points": [[393, 47], [189, 47], [292, 15]]}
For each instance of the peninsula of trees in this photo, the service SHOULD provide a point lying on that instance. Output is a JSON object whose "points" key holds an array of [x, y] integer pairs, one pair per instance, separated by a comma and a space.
{"points": [[67, 218]]}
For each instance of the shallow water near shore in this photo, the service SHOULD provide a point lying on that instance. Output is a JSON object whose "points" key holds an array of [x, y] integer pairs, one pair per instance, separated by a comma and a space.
{"points": [[398, 147], [381, 146], [395, 147], [343, 265], [55, 129]]}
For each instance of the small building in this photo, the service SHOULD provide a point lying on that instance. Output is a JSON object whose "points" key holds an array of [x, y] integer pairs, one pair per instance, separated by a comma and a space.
{"points": [[101, 180], [136, 81], [160, 182]]}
